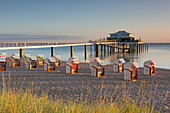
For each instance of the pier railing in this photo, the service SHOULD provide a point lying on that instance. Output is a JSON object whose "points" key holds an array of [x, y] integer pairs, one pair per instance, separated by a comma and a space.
{"points": [[111, 46], [28, 44]]}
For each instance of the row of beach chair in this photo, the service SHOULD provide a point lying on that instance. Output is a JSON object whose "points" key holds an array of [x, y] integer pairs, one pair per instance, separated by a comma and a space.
{"points": [[97, 66]]}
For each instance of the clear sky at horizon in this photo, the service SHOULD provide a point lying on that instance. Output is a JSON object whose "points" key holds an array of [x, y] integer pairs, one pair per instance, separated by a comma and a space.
{"points": [[148, 19]]}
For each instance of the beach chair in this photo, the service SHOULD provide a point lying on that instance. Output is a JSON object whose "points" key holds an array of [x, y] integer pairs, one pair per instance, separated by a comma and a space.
{"points": [[149, 68], [118, 65], [3, 62], [98, 69], [24, 57], [92, 60], [40, 60], [72, 65], [130, 72], [31, 62], [4, 55], [49, 64], [57, 60], [14, 60]]}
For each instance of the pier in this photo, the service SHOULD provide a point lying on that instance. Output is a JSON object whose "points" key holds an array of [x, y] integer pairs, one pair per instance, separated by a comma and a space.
{"points": [[52, 45], [112, 47], [106, 46]]}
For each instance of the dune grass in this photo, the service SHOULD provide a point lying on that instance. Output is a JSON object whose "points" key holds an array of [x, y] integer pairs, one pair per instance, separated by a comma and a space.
{"points": [[28, 102], [25, 102]]}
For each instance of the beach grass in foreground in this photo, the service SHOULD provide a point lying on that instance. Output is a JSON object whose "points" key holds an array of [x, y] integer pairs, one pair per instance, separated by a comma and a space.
{"points": [[12, 101], [24, 102]]}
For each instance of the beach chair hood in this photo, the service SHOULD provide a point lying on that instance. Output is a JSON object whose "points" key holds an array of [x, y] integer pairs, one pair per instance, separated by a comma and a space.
{"points": [[149, 62], [119, 61], [31, 58], [40, 56], [50, 60], [130, 65], [75, 61], [2, 58], [95, 59], [72, 60], [98, 63]]}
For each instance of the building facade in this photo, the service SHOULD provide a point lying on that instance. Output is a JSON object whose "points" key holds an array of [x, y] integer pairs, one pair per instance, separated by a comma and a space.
{"points": [[122, 36]]}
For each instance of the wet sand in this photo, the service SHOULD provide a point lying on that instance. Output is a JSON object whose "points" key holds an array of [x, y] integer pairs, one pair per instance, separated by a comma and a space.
{"points": [[61, 85]]}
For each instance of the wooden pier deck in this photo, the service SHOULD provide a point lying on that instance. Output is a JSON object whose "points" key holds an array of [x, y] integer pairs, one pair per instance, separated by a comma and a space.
{"points": [[18, 45], [111, 46]]}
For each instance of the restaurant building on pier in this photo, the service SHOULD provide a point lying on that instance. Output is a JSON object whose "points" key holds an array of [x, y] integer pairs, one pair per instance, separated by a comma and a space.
{"points": [[122, 36]]}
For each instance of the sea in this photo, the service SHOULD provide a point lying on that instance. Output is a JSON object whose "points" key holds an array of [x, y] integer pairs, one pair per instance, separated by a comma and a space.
{"points": [[160, 52]]}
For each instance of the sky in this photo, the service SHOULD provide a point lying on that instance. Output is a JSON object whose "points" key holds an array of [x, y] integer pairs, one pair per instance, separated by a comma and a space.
{"points": [[85, 19]]}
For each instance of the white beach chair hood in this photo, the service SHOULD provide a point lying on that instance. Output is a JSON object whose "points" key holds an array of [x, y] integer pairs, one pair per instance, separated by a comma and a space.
{"points": [[149, 62], [130, 65]]}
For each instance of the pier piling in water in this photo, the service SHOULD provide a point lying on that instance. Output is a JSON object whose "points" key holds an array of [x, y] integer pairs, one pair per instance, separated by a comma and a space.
{"points": [[130, 48], [101, 47], [71, 51], [91, 47], [97, 50], [104, 50], [123, 47], [107, 48], [85, 52], [137, 48], [118, 47], [52, 51], [21, 52]]}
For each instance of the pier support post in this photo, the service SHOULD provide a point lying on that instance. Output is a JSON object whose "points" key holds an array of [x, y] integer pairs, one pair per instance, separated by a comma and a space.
{"points": [[85, 52], [107, 48], [97, 50], [137, 47], [118, 47], [110, 50], [104, 50], [71, 51], [21, 52], [101, 47], [145, 47], [141, 48], [91, 47], [134, 47], [123, 48], [52, 51], [126, 47], [130, 48], [113, 47]]}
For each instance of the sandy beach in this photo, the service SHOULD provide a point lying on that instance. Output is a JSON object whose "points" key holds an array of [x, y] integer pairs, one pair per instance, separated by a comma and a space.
{"points": [[61, 85]]}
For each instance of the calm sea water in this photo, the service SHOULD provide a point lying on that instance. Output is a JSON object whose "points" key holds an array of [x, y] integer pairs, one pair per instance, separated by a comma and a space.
{"points": [[158, 52]]}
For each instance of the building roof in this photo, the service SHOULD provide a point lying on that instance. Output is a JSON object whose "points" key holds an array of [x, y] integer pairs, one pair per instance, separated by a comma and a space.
{"points": [[120, 32]]}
